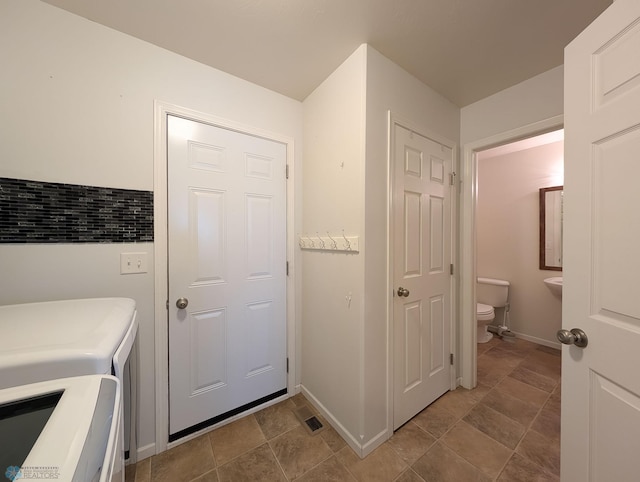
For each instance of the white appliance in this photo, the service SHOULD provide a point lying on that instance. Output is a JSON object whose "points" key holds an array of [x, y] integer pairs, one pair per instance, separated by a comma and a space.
{"points": [[60, 339], [66, 430]]}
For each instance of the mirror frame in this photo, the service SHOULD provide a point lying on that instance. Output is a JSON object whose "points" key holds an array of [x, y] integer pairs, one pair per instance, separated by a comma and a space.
{"points": [[543, 191]]}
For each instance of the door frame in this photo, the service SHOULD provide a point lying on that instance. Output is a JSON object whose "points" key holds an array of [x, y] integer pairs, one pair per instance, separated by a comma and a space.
{"points": [[467, 259], [393, 121], [161, 277]]}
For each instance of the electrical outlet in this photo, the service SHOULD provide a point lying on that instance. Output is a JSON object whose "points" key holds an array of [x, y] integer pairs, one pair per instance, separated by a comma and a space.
{"points": [[131, 263]]}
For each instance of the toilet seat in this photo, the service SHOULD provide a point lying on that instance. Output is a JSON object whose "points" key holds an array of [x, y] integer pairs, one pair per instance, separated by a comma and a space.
{"points": [[484, 312]]}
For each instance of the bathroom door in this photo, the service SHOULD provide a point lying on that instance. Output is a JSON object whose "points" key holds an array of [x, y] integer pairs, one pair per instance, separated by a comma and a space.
{"points": [[227, 223], [421, 214], [600, 382]]}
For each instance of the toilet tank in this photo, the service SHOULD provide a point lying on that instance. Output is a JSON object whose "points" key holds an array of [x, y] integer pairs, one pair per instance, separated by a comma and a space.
{"points": [[493, 292]]}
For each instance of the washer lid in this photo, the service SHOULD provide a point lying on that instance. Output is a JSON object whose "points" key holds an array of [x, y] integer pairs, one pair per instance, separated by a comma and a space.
{"points": [[56, 339]]}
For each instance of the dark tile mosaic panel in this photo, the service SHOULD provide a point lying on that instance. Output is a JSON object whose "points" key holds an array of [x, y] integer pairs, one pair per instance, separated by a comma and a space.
{"points": [[45, 212]]}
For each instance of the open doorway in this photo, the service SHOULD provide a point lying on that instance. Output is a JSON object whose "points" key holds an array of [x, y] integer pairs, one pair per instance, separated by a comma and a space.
{"points": [[499, 145]]}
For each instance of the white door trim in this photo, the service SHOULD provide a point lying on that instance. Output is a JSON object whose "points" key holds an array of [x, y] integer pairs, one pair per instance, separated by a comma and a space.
{"points": [[393, 120], [467, 260], [161, 111]]}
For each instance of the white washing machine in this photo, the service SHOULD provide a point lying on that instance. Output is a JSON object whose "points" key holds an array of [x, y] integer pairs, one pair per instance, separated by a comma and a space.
{"points": [[66, 430], [70, 338]]}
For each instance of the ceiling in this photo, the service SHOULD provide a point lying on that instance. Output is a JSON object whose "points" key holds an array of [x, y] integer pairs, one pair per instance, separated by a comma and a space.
{"points": [[464, 49]]}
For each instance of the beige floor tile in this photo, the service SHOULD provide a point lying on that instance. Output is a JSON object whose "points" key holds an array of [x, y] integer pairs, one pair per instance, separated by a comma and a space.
{"points": [[461, 400], [491, 370], [514, 408], [332, 439], [409, 476], [256, 465], [534, 379], [523, 391], [235, 439], [544, 364], [381, 465], [184, 462], [548, 349], [506, 357], [547, 423], [435, 419], [441, 464], [497, 426], [331, 470], [520, 469], [411, 442], [277, 419], [541, 451], [476, 447], [143, 471], [297, 451], [208, 477]]}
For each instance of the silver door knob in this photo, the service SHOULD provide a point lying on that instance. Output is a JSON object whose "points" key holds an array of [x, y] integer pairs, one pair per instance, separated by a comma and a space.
{"points": [[403, 292], [182, 303], [575, 337]]}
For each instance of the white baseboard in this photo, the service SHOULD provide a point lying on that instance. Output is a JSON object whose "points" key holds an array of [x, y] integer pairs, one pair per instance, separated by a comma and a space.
{"points": [[146, 451], [362, 450], [539, 341]]}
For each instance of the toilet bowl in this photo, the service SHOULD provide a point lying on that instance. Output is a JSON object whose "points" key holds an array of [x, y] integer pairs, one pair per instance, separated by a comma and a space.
{"points": [[490, 293], [485, 315]]}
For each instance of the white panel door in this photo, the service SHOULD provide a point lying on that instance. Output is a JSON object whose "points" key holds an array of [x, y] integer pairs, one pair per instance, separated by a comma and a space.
{"points": [[421, 272], [600, 382], [227, 226]]}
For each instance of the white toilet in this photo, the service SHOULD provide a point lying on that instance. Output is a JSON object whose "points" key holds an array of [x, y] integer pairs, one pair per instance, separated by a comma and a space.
{"points": [[490, 294]]}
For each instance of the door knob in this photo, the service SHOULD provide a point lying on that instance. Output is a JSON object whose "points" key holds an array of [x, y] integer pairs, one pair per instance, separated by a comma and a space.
{"points": [[182, 303], [403, 292], [575, 337]]}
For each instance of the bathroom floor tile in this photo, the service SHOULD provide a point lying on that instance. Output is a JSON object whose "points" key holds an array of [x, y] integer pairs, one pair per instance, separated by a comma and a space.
{"points": [[435, 419], [541, 451], [383, 464], [496, 425], [297, 451], [255, 465], [409, 476], [534, 379], [547, 423], [277, 419], [520, 469], [332, 438], [441, 464], [477, 448], [514, 408], [208, 477], [411, 442], [184, 462], [236, 438], [523, 391], [461, 400], [331, 470]]}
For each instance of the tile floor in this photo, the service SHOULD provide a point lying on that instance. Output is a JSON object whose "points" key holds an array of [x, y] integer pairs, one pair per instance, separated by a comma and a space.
{"points": [[506, 429]]}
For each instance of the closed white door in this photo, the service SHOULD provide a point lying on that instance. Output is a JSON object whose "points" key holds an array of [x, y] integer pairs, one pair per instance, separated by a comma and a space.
{"points": [[421, 266], [600, 382], [227, 226]]}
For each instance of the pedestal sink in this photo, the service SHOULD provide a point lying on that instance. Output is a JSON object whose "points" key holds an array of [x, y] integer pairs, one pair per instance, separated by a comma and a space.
{"points": [[555, 285]]}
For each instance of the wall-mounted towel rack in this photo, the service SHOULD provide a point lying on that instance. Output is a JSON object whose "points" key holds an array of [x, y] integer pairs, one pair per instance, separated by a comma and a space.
{"points": [[336, 242]]}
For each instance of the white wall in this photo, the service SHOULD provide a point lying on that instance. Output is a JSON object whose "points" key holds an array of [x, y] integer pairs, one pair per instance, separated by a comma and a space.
{"points": [[77, 107], [538, 98], [333, 187], [389, 88], [507, 220], [344, 348]]}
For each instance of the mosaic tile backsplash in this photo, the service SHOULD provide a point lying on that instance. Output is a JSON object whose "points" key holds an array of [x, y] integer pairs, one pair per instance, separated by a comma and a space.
{"points": [[45, 212]]}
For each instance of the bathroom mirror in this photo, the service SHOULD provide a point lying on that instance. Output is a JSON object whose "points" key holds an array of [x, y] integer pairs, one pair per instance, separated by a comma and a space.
{"points": [[551, 228]]}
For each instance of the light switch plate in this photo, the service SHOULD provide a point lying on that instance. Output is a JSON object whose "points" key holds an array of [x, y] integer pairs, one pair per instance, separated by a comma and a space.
{"points": [[132, 263]]}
